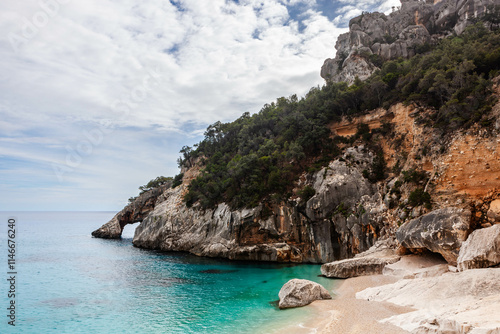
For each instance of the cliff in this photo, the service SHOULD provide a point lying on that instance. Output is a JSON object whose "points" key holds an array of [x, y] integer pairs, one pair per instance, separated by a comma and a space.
{"points": [[348, 213], [284, 232], [409, 159], [411, 29], [136, 211]]}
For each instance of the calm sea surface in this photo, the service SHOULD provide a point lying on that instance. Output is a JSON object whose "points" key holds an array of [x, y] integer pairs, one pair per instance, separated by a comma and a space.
{"points": [[69, 282]]}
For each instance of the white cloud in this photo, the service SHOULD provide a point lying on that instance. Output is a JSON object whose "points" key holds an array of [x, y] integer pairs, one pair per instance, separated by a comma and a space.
{"points": [[350, 8], [158, 72]]}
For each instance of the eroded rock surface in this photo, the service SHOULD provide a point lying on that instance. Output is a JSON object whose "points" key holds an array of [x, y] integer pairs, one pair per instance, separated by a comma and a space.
{"points": [[481, 249], [357, 266], [464, 302], [417, 266], [399, 34], [494, 211], [371, 262], [275, 233], [441, 231], [301, 292], [135, 212], [343, 218], [326, 229]]}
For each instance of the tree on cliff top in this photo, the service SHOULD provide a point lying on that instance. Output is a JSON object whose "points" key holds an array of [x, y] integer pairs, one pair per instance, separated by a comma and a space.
{"points": [[155, 183], [260, 156]]}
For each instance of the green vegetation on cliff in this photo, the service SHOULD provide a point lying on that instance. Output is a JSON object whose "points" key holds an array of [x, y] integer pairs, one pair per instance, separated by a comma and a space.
{"points": [[259, 156]]}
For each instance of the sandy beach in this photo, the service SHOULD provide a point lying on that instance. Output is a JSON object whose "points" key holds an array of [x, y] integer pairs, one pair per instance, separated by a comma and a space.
{"points": [[347, 315], [351, 315], [416, 294]]}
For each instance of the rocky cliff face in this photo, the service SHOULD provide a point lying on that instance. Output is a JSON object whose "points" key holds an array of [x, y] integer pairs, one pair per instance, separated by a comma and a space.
{"points": [[402, 33], [348, 213], [132, 213], [338, 222]]}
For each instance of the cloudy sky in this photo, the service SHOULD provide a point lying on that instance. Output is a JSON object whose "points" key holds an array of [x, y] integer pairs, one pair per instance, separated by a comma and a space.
{"points": [[98, 96]]}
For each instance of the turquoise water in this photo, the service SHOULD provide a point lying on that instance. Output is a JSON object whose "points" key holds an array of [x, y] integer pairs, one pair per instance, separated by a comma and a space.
{"points": [[69, 282]]}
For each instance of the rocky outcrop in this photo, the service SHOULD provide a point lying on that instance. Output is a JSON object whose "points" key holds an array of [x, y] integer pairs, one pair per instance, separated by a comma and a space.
{"points": [[441, 231], [135, 212], [339, 221], [301, 292], [415, 24], [493, 213], [371, 262], [481, 249], [355, 66], [347, 214], [464, 302], [275, 233], [343, 218], [417, 266], [340, 184], [363, 266], [349, 203]]}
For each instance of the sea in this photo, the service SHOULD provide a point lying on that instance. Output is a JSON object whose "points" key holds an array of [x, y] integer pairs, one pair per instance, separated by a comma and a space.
{"points": [[62, 280]]}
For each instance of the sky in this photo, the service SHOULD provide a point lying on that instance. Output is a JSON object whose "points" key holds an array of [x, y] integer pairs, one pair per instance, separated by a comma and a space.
{"points": [[97, 97]]}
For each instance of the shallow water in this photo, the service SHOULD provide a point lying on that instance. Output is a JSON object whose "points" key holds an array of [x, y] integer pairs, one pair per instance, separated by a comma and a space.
{"points": [[69, 282]]}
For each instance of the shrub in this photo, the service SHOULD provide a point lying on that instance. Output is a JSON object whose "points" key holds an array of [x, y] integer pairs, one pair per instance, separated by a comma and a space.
{"points": [[419, 197], [155, 183], [177, 180], [262, 155], [363, 131], [306, 193], [342, 209], [414, 176]]}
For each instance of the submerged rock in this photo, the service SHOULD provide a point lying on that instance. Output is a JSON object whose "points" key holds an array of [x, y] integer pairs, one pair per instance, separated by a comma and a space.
{"points": [[441, 231], [481, 249], [301, 292]]}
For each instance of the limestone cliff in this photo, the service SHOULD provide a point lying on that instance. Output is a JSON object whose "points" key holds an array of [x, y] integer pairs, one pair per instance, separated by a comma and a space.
{"points": [[317, 231], [348, 213], [410, 28], [136, 211], [386, 174]]}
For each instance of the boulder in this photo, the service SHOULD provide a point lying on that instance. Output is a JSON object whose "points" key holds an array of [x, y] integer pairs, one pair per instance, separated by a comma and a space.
{"points": [[354, 267], [301, 292], [441, 231], [371, 262], [481, 249], [494, 211]]}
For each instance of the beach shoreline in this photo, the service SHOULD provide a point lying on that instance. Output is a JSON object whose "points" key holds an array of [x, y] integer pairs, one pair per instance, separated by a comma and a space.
{"points": [[416, 294], [344, 314]]}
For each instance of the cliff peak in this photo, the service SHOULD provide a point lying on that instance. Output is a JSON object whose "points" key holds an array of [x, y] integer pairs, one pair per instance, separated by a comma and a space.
{"points": [[375, 37]]}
